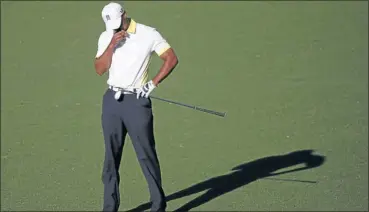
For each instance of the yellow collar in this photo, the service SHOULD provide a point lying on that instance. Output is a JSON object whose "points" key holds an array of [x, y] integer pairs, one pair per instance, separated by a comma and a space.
{"points": [[132, 27]]}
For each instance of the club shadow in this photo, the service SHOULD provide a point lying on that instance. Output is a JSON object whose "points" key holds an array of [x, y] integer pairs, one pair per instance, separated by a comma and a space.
{"points": [[242, 175]]}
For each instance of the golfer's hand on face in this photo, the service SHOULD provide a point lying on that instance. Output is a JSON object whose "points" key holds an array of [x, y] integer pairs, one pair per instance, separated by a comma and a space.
{"points": [[117, 37]]}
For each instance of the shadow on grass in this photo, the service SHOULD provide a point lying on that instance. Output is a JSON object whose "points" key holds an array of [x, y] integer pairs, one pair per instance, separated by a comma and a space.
{"points": [[242, 175]]}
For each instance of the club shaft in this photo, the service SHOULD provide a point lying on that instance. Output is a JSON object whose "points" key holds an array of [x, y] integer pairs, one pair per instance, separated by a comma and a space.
{"points": [[186, 105], [190, 106]]}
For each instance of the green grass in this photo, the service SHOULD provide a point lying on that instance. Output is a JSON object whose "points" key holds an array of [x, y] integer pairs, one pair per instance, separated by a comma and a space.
{"points": [[290, 75]]}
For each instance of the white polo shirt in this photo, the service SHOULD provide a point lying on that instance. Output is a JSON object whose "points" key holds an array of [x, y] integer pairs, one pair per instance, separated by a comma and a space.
{"points": [[131, 58]]}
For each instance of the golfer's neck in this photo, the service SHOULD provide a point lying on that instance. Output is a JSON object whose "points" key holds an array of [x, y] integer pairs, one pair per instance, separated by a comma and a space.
{"points": [[126, 23]]}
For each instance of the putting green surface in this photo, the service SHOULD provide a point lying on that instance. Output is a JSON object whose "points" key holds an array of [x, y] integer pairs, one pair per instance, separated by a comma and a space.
{"points": [[290, 75]]}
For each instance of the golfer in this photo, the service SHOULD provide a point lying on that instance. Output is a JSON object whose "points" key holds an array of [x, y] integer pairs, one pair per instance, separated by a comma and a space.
{"points": [[124, 51]]}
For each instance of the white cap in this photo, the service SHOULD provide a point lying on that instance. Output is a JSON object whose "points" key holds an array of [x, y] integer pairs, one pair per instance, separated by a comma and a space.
{"points": [[112, 15]]}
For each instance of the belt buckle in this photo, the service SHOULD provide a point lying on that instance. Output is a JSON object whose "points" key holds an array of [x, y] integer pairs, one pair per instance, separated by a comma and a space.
{"points": [[122, 90]]}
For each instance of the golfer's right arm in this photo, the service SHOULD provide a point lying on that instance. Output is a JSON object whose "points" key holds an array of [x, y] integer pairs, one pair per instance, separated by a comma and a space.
{"points": [[105, 50], [103, 62]]}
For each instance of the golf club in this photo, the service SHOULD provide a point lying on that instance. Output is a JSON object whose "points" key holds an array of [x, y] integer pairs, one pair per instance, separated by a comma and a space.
{"points": [[191, 106], [221, 114]]}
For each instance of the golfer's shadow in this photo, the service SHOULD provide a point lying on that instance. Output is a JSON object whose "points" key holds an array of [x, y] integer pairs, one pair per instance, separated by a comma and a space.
{"points": [[242, 175]]}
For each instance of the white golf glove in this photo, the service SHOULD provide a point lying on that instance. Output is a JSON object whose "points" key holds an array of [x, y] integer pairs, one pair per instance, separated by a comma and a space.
{"points": [[145, 90]]}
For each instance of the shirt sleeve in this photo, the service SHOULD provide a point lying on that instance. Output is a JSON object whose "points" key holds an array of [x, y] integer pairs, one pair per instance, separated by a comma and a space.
{"points": [[103, 43], [160, 45]]}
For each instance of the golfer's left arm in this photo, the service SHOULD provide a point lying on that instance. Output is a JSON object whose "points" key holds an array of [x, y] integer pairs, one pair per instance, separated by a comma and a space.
{"points": [[170, 62], [167, 54]]}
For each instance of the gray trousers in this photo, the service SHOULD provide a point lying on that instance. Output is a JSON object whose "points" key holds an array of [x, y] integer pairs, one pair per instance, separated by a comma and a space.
{"points": [[133, 116]]}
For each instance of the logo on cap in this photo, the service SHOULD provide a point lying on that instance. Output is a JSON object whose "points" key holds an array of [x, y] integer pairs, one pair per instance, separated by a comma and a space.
{"points": [[107, 17]]}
